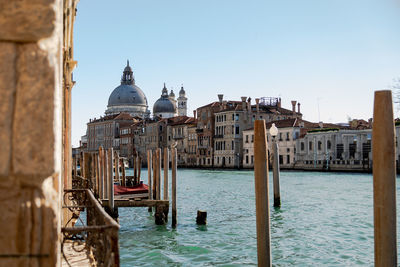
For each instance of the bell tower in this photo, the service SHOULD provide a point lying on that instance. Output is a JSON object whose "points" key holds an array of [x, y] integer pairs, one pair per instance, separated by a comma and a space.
{"points": [[182, 103]]}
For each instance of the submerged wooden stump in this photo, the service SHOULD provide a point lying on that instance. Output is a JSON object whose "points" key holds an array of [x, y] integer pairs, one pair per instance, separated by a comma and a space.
{"points": [[201, 218], [161, 216]]}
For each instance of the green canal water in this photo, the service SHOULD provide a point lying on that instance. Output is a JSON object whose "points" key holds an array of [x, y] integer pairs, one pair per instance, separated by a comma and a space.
{"points": [[326, 219]]}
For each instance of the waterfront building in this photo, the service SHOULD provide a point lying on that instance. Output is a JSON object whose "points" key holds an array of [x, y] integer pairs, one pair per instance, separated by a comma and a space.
{"points": [[205, 133], [192, 145], [290, 130], [128, 97], [335, 149], [105, 131], [178, 130], [237, 116]]}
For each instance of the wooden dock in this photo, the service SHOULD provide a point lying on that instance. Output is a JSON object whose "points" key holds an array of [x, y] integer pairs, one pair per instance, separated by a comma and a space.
{"points": [[104, 169]]}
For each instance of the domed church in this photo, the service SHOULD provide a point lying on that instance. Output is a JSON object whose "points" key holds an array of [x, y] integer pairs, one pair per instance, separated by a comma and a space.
{"points": [[128, 97], [165, 105]]}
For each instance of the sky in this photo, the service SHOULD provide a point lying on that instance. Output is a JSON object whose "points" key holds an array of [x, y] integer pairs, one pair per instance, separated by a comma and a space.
{"points": [[329, 55]]}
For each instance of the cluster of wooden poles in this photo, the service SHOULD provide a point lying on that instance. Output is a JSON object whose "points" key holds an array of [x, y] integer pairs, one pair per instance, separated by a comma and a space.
{"points": [[384, 185], [102, 169], [154, 161]]}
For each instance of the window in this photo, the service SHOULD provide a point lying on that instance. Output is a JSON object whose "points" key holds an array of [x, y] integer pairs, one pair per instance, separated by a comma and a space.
{"points": [[247, 138], [287, 137], [237, 117], [247, 159], [310, 145], [252, 138], [319, 145], [237, 130], [252, 159], [328, 144], [287, 159], [280, 136], [233, 117]]}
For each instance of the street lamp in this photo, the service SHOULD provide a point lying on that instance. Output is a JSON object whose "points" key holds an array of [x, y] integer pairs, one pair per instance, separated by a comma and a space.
{"points": [[277, 197]]}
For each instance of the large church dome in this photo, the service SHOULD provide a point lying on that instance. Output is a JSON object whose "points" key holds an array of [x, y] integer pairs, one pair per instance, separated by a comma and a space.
{"points": [[128, 97], [164, 107]]}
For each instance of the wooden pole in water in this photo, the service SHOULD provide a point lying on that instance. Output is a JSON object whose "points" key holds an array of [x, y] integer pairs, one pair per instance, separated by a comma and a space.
{"points": [[105, 165], [123, 172], [166, 165], [92, 172], [261, 188], [82, 163], [277, 194], [154, 174], [149, 155], [134, 170], [75, 166], [384, 172], [116, 160], [100, 166], [173, 193], [158, 184], [110, 180], [96, 168], [139, 166]]}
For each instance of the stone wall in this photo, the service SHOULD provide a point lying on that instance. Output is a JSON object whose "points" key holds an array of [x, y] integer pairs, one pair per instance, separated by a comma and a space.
{"points": [[30, 131]]}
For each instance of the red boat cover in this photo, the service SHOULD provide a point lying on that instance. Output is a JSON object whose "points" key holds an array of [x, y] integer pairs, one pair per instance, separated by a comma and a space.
{"points": [[125, 190]]}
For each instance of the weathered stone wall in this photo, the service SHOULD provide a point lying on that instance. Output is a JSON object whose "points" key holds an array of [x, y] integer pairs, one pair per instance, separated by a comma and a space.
{"points": [[30, 132]]}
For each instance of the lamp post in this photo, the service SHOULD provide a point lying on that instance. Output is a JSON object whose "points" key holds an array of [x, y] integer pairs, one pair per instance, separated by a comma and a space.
{"points": [[277, 196]]}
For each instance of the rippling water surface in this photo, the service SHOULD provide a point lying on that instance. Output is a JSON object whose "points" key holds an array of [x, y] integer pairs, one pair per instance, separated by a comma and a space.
{"points": [[326, 219]]}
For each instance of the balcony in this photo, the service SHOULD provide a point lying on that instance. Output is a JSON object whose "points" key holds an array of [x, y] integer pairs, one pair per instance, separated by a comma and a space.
{"points": [[199, 130], [178, 136], [219, 136], [97, 233]]}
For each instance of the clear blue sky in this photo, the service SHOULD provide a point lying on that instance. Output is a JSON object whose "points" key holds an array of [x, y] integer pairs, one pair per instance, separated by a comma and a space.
{"points": [[331, 54]]}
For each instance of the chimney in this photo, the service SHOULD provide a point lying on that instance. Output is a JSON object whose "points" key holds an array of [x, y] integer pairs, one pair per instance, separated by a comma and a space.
{"points": [[224, 104], [249, 104], [243, 102], [194, 114], [220, 97], [258, 105], [294, 106], [279, 102], [298, 107]]}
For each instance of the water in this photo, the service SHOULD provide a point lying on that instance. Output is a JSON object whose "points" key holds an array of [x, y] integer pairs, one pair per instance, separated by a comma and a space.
{"points": [[326, 219]]}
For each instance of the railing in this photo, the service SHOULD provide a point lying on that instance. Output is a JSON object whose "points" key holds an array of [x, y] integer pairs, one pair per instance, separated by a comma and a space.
{"points": [[98, 233]]}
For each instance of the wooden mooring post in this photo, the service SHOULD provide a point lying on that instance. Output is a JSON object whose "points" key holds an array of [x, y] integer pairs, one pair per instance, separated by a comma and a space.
{"points": [[384, 172], [139, 168], [101, 172], [166, 166], [261, 194], [116, 166], [173, 193], [123, 172], [277, 194], [158, 184], [154, 161], [110, 180], [149, 164]]}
